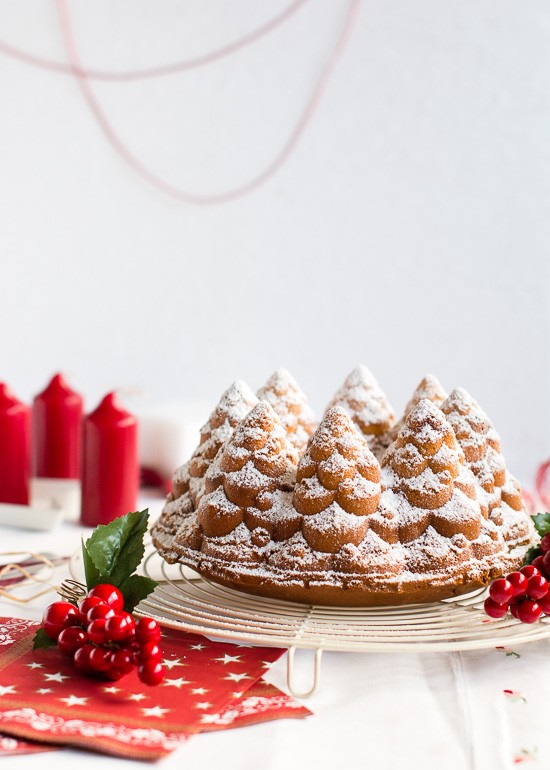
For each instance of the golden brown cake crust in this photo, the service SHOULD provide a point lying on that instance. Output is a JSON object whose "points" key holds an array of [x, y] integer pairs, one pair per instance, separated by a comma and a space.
{"points": [[363, 399], [346, 590], [285, 397]]}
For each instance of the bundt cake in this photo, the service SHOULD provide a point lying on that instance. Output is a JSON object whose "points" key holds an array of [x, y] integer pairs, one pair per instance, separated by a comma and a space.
{"points": [[272, 506]]}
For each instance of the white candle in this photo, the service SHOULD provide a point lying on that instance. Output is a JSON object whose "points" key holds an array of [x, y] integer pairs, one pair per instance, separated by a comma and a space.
{"points": [[168, 434]]}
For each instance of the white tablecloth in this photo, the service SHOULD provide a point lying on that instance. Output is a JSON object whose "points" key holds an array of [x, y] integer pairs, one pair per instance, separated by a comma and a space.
{"points": [[484, 710]]}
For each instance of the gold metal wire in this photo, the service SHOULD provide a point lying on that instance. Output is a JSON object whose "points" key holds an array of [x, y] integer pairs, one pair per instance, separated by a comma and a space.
{"points": [[16, 568]]}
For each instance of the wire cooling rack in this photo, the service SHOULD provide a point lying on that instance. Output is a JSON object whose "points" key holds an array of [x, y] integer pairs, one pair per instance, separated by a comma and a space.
{"points": [[187, 601]]}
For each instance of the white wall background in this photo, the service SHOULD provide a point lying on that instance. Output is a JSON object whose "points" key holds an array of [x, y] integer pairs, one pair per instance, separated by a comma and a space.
{"points": [[409, 231]]}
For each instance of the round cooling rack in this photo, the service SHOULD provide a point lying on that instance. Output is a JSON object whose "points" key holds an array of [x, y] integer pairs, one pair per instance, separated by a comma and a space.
{"points": [[187, 601]]}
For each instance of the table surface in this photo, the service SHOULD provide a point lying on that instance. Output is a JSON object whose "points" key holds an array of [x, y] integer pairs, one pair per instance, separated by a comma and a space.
{"points": [[485, 710]]}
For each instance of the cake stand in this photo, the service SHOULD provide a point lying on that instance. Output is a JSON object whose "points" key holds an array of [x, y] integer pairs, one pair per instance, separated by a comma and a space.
{"points": [[186, 601]]}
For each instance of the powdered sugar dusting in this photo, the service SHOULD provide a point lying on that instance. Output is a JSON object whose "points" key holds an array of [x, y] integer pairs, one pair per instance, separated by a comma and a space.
{"points": [[284, 395], [366, 403], [429, 387], [234, 404], [481, 445]]}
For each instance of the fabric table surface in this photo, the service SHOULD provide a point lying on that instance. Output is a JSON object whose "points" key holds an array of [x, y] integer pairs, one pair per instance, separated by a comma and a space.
{"points": [[485, 710]]}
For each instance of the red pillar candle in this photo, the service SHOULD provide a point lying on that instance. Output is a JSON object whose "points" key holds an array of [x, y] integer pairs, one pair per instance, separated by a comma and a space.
{"points": [[57, 414], [15, 430], [110, 469]]}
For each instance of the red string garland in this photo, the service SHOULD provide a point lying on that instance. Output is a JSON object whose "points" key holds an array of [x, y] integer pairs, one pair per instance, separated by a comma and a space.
{"points": [[169, 189], [62, 68], [84, 75]]}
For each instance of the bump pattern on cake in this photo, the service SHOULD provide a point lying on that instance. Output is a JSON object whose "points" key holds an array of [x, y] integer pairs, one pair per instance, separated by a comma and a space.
{"points": [[282, 392], [364, 400], [481, 446], [176, 523], [429, 387]]}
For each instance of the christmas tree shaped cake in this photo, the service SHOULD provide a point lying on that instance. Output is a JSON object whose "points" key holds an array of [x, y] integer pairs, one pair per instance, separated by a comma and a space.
{"points": [[247, 500], [481, 446], [338, 485], [431, 506], [427, 480], [429, 387], [368, 407], [178, 521], [234, 404], [282, 392]]}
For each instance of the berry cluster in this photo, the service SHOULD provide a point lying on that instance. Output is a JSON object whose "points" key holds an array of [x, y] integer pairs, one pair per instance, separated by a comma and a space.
{"points": [[102, 639], [524, 593], [542, 562]]}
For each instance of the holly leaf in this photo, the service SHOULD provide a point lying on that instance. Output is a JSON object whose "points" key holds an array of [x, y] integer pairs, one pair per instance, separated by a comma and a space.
{"points": [[42, 641], [532, 554], [93, 575], [136, 588], [542, 523], [116, 549]]}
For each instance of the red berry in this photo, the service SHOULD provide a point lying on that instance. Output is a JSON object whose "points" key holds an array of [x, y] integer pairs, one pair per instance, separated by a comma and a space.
{"points": [[70, 639], [102, 611], [81, 659], [519, 582], [134, 649], [121, 661], [546, 563], [501, 591], [544, 603], [120, 626], [114, 674], [545, 544], [108, 594], [100, 659], [85, 605], [538, 587], [539, 564], [149, 651], [529, 570], [57, 616], [96, 631], [147, 630], [494, 609], [514, 609], [131, 620], [528, 611], [151, 672]]}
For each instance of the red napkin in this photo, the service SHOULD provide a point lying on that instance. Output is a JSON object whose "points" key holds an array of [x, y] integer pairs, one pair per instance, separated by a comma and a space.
{"points": [[207, 686], [9, 746], [262, 702]]}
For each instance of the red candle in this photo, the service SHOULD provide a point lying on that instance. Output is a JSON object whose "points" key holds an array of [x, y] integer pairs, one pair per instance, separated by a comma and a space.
{"points": [[110, 468], [15, 430], [56, 417]]}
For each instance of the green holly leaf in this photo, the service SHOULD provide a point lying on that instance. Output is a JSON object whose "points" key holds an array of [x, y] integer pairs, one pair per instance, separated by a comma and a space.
{"points": [[136, 588], [42, 641], [532, 554], [93, 575], [542, 523], [116, 549]]}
